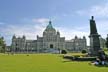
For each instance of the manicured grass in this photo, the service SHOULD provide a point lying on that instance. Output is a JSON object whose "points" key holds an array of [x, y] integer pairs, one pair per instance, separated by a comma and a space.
{"points": [[44, 63]]}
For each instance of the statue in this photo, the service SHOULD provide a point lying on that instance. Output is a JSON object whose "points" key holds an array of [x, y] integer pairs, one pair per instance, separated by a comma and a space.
{"points": [[93, 29], [94, 38]]}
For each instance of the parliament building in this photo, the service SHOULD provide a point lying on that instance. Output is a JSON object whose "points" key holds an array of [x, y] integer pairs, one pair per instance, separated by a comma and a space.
{"points": [[50, 42]]}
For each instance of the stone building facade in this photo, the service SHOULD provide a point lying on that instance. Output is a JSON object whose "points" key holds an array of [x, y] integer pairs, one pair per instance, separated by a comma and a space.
{"points": [[76, 44], [51, 40]]}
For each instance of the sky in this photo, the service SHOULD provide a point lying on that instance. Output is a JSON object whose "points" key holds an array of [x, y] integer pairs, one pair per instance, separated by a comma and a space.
{"points": [[69, 17]]}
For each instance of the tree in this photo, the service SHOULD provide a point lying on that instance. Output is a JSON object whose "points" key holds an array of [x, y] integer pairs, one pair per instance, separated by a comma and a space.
{"points": [[2, 45], [84, 51], [106, 43]]}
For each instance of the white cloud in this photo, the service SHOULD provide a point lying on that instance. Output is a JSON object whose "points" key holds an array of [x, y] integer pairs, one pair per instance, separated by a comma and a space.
{"points": [[38, 26], [96, 10], [100, 12], [102, 28], [41, 20], [30, 31], [70, 34]]}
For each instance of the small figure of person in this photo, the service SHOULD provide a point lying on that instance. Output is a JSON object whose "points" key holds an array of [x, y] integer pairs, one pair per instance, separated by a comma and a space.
{"points": [[102, 57], [96, 62]]}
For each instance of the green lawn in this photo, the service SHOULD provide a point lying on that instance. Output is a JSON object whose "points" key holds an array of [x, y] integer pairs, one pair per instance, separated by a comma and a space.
{"points": [[44, 63]]}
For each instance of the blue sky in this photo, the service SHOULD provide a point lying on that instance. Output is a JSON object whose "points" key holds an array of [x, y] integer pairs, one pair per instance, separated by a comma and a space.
{"points": [[70, 17]]}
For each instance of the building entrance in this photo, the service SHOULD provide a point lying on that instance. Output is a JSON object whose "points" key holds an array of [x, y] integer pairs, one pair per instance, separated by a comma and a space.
{"points": [[51, 45]]}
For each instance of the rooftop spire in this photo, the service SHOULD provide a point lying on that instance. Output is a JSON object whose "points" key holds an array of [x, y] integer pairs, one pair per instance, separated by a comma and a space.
{"points": [[50, 24]]}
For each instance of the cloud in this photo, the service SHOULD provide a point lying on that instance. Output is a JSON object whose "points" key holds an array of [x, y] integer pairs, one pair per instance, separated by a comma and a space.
{"points": [[41, 20], [35, 27], [96, 10], [102, 28], [30, 31], [100, 12], [70, 34]]}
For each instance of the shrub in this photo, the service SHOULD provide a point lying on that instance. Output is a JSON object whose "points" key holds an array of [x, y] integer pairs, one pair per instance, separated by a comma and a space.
{"points": [[63, 52], [84, 51], [76, 56], [86, 59]]}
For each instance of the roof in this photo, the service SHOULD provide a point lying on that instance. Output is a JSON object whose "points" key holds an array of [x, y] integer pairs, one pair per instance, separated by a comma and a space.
{"points": [[49, 27]]}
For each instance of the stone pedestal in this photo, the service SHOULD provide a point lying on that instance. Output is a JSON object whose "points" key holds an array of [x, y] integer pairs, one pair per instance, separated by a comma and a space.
{"points": [[94, 44]]}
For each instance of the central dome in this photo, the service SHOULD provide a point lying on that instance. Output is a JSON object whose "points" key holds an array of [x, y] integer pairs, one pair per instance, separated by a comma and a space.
{"points": [[49, 29]]}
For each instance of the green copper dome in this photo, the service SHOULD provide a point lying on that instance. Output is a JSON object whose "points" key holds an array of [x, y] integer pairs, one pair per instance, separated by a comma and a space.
{"points": [[50, 28]]}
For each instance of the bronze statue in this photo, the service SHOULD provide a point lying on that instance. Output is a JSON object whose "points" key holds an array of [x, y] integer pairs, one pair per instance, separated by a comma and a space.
{"points": [[94, 38]]}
